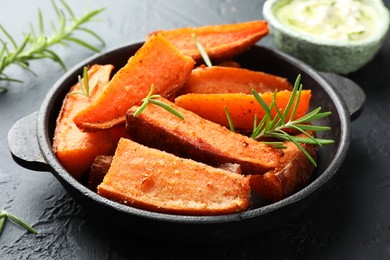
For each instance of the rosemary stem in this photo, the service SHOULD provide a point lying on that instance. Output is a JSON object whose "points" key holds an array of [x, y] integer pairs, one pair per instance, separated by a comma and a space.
{"points": [[4, 214], [37, 46]]}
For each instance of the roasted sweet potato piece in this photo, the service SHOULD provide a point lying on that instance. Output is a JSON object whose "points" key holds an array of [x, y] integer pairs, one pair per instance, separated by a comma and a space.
{"points": [[221, 42], [242, 107], [218, 79], [157, 62], [292, 174], [158, 181], [99, 168], [75, 149], [199, 139]]}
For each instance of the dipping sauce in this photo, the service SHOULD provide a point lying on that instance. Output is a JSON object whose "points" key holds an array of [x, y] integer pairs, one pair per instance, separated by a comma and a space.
{"points": [[345, 20]]}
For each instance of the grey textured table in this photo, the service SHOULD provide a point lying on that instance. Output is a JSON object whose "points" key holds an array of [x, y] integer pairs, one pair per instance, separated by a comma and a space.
{"points": [[349, 221]]}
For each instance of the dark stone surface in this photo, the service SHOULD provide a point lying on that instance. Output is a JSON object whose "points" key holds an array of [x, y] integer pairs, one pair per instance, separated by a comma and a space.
{"points": [[348, 221]]}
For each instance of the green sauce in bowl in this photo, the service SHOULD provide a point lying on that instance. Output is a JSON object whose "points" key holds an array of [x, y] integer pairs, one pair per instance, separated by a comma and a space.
{"points": [[345, 20], [337, 36]]}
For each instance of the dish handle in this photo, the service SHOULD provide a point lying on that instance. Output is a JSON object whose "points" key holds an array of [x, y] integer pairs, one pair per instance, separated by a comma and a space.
{"points": [[352, 94], [23, 144]]}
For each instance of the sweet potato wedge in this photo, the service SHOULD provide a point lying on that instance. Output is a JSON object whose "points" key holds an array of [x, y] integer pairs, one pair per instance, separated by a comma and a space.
{"points": [[242, 107], [75, 149], [157, 62], [218, 79], [221, 42], [199, 139], [293, 173], [102, 164], [158, 181]]}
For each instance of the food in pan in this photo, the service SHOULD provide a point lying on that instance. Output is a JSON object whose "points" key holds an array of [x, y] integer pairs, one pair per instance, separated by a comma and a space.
{"points": [[221, 42], [226, 79], [155, 180], [76, 149], [242, 107], [157, 62], [198, 138], [174, 159]]}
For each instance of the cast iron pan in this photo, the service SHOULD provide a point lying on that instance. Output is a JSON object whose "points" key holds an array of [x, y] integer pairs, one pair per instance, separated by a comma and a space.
{"points": [[30, 142]]}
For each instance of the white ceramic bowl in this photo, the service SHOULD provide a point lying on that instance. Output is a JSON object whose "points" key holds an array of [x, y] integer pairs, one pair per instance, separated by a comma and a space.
{"points": [[328, 54]]}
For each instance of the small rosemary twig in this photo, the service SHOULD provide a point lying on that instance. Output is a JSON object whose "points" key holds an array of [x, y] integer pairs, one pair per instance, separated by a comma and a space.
{"points": [[5, 215], [85, 88], [36, 45], [202, 51], [275, 127], [229, 118], [151, 99]]}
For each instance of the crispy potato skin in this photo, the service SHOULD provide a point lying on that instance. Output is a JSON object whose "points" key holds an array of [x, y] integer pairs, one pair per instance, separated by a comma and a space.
{"points": [[99, 169], [293, 173], [157, 62], [69, 141], [224, 79], [158, 181], [221, 42]]}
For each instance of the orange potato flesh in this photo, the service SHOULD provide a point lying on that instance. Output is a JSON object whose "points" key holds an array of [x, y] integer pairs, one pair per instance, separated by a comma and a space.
{"points": [[199, 139], [221, 42], [155, 180], [157, 62], [75, 149], [218, 79], [293, 173], [242, 107]]}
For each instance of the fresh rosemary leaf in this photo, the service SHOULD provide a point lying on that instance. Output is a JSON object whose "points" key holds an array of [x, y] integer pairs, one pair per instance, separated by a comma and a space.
{"points": [[229, 118], [258, 129], [262, 103], [8, 36], [40, 22], [85, 88], [2, 223], [95, 35], [294, 99], [303, 150], [68, 9], [141, 108], [202, 52], [277, 145], [82, 43], [86, 81], [151, 98], [274, 127], [21, 223], [53, 56], [314, 128], [166, 107], [317, 141], [4, 215]]}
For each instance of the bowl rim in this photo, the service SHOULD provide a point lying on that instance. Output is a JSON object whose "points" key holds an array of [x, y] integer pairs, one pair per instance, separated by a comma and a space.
{"points": [[60, 172], [376, 38]]}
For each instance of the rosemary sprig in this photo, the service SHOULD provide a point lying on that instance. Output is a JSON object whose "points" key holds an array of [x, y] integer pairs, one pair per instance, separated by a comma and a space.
{"points": [[276, 127], [151, 99], [5, 215], [202, 51], [229, 118], [36, 45], [85, 88]]}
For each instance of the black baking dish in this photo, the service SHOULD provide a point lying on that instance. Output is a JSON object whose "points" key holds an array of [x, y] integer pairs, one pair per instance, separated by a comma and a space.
{"points": [[30, 142]]}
